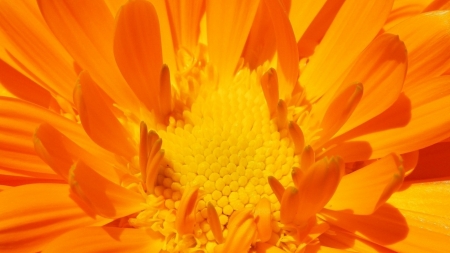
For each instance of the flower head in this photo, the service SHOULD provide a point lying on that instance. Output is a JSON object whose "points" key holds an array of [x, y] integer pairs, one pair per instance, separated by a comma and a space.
{"points": [[212, 126]]}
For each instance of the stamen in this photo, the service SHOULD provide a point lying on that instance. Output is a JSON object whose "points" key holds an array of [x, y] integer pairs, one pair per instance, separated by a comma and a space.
{"points": [[214, 223], [263, 214], [277, 187], [281, 115], [297, 137], [269, 84], [165, 94], [289, 205], [307, 158]]}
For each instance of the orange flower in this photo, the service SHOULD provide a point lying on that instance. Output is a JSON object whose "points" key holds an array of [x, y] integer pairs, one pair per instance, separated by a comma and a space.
{"points": [[224, 126]]}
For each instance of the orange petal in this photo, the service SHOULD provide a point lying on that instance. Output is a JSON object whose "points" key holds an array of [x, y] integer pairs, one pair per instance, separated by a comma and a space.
{"points": [[107, 239], [232, 20], [341, 239], [60, 153], [23, 87], [185, 219], [418, 119], [137, 49], [287, 55], [32, 215], [402, 10], [302, 13], [261, 247], [427, 39], [354, 27], [241, 232], [263, 215], [381, 68], [185, 22], [98, 120], [115, 5], [317, 187], [86, 30], [364, 190], [337, 113], [28, 39], [434, 162], [105, 197]]}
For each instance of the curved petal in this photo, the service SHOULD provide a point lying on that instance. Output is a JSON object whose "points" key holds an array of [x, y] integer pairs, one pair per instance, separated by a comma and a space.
{"points": [[105, 240], [419, 118], [355, 25], [98, 120], [105, 197], [22, 87], [364, 190], [32, 215], [61, 153], [33, 45], [22, 118], [427, 38], [231, 20], [287, 55], [404, 9], [381, 68], [137, 50], [86, 29]]}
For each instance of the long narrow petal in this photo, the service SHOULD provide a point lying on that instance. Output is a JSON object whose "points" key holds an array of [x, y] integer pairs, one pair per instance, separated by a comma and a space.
{"points": [[105, 197], [137, 49], [60, 153], [356, 24], [33, 45], [402, 10], [185, 16], [302, 13], [98, 120], [36, 214], [418, 119], [381, 68], [86, 29], [23, 87], [106, 239], [287, 55], [427, 38], [364, 190], [22, 118], [231, 20]]}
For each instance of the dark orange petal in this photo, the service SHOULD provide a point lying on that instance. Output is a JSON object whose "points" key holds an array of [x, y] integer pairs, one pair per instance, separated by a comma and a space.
{"points": [[22, 87], [185, 22], [287, 55], [354, 27], [364, 190], [231, 20], [418, 119], [137, 49], [86, 30], [241, 232], [60, 153], [434, 162], [30, 42], [381, 68], [402, 10], [98, 120], [32, 215], [105, 197], [114, 5], [427, 39], [302, 13], [106, 239]]}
